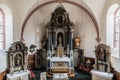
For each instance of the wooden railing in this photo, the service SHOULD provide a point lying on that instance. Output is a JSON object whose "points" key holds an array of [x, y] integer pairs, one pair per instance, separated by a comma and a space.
{"points": [[116, 75], [3, 75]]}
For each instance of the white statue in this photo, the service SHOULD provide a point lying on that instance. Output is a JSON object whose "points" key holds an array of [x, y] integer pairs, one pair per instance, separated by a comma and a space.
{"points": [[53, 51], [68, 49]]}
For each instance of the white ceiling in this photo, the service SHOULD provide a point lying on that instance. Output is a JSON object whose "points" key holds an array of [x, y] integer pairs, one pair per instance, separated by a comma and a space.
{"points": [[23, 6]]}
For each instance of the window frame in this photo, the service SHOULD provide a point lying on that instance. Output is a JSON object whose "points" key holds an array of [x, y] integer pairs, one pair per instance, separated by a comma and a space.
{"points": [[4, 42], [115, 31]]}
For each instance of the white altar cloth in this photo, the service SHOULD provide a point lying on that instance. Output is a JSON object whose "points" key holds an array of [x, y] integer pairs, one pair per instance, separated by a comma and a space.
{"points": [[60, 59], [60, 76], [66, 63], [99, 75], [17, 75]]}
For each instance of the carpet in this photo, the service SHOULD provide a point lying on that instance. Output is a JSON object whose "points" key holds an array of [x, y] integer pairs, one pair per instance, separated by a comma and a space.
{"points": [[78, 75]]}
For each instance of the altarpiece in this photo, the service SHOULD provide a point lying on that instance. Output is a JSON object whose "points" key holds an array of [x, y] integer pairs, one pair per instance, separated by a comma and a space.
{"points": [[60, 42], [17, 57], [102, 60], [102, 63]]}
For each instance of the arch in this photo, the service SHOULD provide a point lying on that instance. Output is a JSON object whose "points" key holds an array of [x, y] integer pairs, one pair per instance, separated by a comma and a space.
{"points": [[8, 25], [64, 1]]}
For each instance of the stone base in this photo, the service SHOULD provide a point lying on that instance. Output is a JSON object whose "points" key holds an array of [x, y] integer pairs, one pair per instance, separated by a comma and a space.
{"points": [[99, 75]]}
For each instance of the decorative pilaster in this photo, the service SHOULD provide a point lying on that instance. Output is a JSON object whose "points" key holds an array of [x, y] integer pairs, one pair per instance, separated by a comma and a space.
{"points": [[71, 49], [54, 41], [65, 38], [25, 61], [71, 39], [11, 63], [48, 40]]}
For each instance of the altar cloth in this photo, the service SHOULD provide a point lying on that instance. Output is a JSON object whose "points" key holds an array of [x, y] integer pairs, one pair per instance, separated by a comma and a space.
{"points": [[99, 75], [60, 59], [60, 76], [18, 75]]}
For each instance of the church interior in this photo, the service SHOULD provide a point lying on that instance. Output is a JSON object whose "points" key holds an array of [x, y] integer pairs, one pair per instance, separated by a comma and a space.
{"points": [[59, 40]]}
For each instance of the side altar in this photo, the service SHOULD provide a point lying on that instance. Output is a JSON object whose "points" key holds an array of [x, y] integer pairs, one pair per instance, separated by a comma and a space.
{"points": [[60, 43], [102, 69], [17, 62]]}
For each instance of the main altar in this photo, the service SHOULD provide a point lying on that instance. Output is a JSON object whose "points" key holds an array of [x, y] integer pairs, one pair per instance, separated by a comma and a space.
{"points": [[60, 43]]}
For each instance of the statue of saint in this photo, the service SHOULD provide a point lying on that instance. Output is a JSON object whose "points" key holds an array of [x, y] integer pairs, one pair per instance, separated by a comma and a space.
{"points": [[77, 41], [68, 49], [60, 49], [43, 42], [53, 51], [102, 54], [18, 60]]}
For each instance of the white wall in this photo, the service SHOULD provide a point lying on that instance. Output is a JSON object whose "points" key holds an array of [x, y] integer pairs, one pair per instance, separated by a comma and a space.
{"points": [[3, 61]]}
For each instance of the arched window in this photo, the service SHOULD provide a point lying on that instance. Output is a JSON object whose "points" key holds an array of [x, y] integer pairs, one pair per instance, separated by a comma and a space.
{"points": [[6, 27], [113, 29], [116, 27], [2, 30]]}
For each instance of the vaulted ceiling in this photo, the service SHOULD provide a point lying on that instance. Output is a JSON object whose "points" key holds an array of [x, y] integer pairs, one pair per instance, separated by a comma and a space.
{"points": [[23, 6]]}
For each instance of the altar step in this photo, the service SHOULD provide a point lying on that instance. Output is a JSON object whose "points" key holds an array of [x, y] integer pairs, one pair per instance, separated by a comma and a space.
{"points": [[60, 70], [70, 75]]}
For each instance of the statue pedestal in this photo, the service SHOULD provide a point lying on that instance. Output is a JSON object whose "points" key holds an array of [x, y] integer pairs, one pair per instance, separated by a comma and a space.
{"points": [[99, 75]]}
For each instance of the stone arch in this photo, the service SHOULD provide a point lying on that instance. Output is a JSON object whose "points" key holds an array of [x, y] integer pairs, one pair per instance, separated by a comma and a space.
{"points": [[63, 1]]}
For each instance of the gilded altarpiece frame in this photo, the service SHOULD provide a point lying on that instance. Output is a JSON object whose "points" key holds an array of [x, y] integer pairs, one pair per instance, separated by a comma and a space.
{"points": [[17, 57]]}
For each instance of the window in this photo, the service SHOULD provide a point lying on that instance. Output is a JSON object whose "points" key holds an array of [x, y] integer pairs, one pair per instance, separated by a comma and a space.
{"points": [[116, 28], [2, 30], [6, 27], [113, 29]]}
